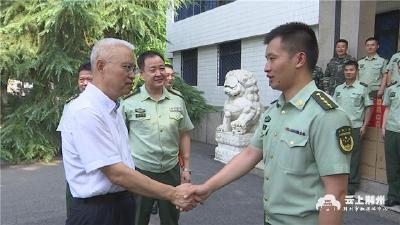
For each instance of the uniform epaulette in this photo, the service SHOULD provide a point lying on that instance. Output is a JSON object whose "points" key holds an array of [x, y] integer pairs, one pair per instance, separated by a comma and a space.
{"points": [[323, 100], [393, 83], [71, 98], [174, 93], [364, 84], [134, 92]]}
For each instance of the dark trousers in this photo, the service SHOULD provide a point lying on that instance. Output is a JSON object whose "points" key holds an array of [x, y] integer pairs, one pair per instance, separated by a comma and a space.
{"points": [[392, 157], [110, 209], [68, 199], [355, 176], [169, 215]]}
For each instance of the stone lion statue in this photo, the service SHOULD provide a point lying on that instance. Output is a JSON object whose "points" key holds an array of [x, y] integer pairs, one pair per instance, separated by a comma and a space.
{"points": [[242, 108]]}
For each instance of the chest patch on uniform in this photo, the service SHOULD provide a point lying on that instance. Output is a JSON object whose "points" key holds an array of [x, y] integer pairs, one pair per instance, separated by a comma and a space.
{"points": [[361, 66], [345, 139], [323, 100], [296, 131], [140, 110], [337, 94], [175, 109], [139, 115], [392, 94]]}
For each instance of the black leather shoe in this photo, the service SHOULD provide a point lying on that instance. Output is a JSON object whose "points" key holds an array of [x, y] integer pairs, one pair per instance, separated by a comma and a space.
{"points": [[391, 203]]}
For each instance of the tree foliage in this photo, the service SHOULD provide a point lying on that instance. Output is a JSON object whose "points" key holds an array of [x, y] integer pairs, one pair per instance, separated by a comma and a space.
{"points": [[43, 43]]}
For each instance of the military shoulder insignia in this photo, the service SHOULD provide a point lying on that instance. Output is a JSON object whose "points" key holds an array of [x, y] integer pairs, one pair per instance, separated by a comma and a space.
{"points": [[71, 98], [134, 92], [364, 84], [393, 83], [345, 139], [174, 93], [323, 100]]}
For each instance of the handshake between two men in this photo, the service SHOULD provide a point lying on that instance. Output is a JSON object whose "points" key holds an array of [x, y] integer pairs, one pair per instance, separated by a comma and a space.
{"points": [[188, 196]]}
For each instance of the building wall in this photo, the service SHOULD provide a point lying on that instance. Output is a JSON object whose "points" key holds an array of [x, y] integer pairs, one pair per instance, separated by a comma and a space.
{"points": [[237, 20], [242, 19], [252, 59]]}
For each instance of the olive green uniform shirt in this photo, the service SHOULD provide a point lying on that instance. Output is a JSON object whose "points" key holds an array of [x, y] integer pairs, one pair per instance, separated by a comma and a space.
{"points": [[154, 129], [392, 99], [394, 66], [299, 144], [353, 99], [371, 70]]}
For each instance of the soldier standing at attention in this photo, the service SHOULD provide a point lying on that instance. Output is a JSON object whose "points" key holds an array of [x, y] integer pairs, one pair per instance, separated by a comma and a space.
{"points": [[158, 126], [372, 69], [391, 135], [353, 97], [335, 69], [393, 68], [304, 138]]}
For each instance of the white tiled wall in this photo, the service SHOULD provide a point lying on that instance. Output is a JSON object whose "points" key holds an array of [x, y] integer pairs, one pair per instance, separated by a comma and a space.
{"points": [[248, 20], [237, 20]]}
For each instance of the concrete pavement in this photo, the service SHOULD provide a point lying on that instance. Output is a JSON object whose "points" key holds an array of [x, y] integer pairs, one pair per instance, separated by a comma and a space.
{"points": [[35, 195]]}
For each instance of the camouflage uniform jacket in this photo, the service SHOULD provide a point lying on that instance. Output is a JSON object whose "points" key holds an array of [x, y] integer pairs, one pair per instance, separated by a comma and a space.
{"points": [[335, 72], [321, 81]]}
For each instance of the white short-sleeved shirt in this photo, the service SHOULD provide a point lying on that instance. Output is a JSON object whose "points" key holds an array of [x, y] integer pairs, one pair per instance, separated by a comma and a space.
{"points": [[93, 135]]}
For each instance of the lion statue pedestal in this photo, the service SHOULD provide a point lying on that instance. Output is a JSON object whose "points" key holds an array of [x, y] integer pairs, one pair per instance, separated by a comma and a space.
{"points": [[241, 113]]}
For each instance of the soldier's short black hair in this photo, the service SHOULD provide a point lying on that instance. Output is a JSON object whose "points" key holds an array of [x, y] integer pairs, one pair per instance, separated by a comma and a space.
{"points": [[343, 41], [147, 54], [372, 39], [86, 66], [169, 66], [297, 37], [351, 63]]}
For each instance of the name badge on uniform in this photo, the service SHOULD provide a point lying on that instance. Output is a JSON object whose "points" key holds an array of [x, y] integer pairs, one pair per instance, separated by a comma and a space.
{"points": [[345, 139], [175, 109], [139, 115]]}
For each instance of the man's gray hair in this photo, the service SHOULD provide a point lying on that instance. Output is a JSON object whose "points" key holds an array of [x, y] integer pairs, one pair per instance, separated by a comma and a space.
{"points": [[105, 43]]}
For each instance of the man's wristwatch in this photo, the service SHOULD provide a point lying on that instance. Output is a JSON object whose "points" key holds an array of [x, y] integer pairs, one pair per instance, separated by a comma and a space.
{"points": [[187, 170]]}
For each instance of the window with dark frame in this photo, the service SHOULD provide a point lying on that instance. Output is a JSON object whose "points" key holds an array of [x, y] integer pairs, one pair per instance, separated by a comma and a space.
{"points": [[197, 7], [229, 58], [189, 66]]}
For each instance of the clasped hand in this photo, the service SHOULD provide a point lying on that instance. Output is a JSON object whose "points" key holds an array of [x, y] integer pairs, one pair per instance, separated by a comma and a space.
{"points": [[188, 196]]}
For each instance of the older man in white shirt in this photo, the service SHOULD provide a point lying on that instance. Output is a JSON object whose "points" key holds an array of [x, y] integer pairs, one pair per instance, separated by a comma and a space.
{"points": [[96, 153]]}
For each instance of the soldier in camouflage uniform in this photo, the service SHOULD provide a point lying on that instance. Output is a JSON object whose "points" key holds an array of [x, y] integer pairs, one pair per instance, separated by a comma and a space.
{"points": [[321, 81], [335, 68]]}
